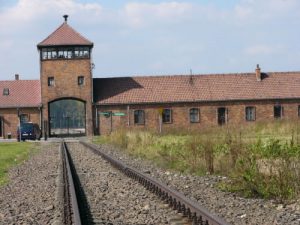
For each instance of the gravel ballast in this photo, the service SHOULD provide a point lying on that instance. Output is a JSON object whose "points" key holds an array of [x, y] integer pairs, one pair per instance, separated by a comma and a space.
{"points": [[29, 197], [113, 197], [234, 209]]}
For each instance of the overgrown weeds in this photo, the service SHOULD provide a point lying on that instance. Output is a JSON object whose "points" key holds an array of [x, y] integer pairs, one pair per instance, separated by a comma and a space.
{"points": [[262, 160]]}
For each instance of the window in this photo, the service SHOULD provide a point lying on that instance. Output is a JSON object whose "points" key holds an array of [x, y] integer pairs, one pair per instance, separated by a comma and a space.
{"points": [[81, 80], [6, 91], [167, 116], [222, 115], [139, 117], [50, 81], [250, 113], [65, 53], [194, 115], [24, 118], [278, 111]]}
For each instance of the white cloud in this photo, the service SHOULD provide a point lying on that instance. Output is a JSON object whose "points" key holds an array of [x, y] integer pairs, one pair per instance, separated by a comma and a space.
{"points": [[140, 14], [32, 11], [262, 50], [258, 11]]}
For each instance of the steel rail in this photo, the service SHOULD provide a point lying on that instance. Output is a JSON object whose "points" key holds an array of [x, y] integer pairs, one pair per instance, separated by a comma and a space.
{"points": [[70, 201], [191, 209]]}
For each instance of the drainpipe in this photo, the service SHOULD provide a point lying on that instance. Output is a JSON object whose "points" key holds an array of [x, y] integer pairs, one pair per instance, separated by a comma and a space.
{"points": [[41, 122], [96, 117], [18, 112], [128, 115]]}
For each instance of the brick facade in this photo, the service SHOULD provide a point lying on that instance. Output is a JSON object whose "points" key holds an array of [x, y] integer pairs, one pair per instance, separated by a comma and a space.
{"points": [[65, 73], [180, 115], [10, 120]]}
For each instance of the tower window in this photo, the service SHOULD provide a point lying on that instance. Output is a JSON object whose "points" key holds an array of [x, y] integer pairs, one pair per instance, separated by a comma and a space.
{"points": [[81, 80], [51, 81], [6, 91], [65, 53]]}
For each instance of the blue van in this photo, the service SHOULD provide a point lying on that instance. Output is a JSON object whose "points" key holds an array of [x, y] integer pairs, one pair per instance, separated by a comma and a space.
{"points": [[29, 131]]}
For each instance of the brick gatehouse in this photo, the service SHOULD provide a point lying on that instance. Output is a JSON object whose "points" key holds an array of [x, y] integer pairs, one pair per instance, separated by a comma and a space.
{"points": [[68, 101]]}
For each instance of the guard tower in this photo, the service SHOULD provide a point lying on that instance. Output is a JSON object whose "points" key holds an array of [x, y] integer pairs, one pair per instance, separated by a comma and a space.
{"points": [[66, 82]]}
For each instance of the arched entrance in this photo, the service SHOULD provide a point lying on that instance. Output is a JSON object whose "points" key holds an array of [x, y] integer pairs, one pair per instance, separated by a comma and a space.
{"points": [[67, 118]]}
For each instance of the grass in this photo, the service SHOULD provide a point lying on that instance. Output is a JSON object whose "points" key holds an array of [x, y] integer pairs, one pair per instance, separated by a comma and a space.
{"points": [[261, 160], [12, 154]]}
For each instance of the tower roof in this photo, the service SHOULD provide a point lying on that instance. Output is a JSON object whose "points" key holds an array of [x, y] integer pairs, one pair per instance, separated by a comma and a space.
{"points": [[65, 35]]}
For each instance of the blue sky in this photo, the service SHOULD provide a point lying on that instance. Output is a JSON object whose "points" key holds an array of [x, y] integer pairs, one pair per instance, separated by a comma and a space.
{"points": [[133, 38]]}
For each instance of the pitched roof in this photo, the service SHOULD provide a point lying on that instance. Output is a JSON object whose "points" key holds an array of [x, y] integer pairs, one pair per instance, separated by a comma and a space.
{"points": [[22, 93], [196, 88], [65, 35]]}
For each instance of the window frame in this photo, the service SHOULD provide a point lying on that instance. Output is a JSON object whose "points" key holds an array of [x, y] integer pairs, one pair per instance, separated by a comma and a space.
{"points": [[6, 91], [24, 115], [80, 81], [224, 121], [136, 117], [252, 115], [275, 114], [51, 82], [163, 115], [197, 115], [55, 53]]}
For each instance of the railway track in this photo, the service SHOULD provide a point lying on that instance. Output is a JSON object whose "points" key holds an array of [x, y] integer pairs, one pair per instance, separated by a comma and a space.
{"points": [[113, 195]]}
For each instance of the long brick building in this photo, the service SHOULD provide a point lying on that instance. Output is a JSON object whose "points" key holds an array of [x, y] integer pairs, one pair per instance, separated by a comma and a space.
{"points": [[68, 101]]}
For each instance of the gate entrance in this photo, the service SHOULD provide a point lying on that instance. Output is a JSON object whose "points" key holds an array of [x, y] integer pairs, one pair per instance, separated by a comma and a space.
{"points": [[67, 118]]}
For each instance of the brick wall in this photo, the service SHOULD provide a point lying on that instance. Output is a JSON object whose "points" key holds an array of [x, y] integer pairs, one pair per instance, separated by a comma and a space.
{"points": [[180, 115], [65, 73], [10, 120]]}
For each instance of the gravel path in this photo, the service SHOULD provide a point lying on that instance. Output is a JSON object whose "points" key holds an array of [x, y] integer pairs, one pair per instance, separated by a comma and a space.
{"points": [[234, 209], [112, 196], [29, 198]]}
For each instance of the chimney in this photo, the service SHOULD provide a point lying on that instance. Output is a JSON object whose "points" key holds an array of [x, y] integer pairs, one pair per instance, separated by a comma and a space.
{"points": [[16, 76], [258, 73], [66, 18]]}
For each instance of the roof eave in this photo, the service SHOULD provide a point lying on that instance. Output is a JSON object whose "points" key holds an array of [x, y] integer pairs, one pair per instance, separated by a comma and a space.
{"points": [[39, 46], [196, 101]]}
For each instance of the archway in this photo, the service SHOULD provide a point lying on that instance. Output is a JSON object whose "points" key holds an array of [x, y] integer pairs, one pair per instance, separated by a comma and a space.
{"points": [[67, 118]]}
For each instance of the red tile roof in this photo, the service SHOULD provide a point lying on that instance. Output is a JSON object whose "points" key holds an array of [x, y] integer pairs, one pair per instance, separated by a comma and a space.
{"points": [[65, 35], [22, 93], [196, 88]]}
